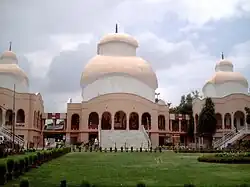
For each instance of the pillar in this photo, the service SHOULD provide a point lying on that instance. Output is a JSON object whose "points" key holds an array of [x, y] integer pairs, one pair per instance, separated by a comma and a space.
{"points": [[179, 125], [127, 125]]}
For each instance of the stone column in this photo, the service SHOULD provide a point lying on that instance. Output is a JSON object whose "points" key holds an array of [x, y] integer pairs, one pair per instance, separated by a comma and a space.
{"points": [[170, 125], [112, 121], [232, 122], [179, 125], [127, 125], [223, 123]]}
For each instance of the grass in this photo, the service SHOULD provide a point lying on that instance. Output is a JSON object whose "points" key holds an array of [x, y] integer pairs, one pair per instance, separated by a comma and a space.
{"points": [[154, 169]]}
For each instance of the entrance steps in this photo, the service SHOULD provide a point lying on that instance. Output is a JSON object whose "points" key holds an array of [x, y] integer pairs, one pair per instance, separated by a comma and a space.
{"points": [[124, 138]]}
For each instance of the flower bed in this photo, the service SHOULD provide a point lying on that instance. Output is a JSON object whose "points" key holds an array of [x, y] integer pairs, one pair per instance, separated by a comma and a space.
{"points": [[229, 158], [14, 167]]}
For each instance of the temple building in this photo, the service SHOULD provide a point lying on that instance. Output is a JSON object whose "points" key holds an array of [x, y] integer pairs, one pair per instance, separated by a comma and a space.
{"points": [[229, 92], [119, 104]]}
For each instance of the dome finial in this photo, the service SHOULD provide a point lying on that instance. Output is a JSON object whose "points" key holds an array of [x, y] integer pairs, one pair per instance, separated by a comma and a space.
{"points": [[116, 28], [10, 46], [222, 56]]}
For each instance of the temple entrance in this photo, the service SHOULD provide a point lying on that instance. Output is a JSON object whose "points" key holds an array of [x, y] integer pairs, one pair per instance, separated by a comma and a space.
{"points": [[120, 121], [106, 121], [134, 121], [146, 120]]}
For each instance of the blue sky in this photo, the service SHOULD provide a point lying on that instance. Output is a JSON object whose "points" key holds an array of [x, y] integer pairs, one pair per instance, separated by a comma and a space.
{"points": [[182, 39]]}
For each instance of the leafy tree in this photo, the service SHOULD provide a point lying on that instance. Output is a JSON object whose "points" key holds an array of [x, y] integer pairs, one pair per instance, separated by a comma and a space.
{"points": [[207, 120], [186, 107], [248, 115]]}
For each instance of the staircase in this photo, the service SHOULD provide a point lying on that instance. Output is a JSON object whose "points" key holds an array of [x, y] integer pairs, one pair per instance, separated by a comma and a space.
{"points": [[6, 133], [124, 138], [231, 137]]}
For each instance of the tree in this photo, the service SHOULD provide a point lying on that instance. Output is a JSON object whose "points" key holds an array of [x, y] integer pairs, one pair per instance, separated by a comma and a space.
{"points": [[186, 107], [207, 121], [248, 115]]}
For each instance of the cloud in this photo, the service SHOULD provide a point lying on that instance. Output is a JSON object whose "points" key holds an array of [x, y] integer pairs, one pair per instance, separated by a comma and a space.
{"points": [[182, 40]]}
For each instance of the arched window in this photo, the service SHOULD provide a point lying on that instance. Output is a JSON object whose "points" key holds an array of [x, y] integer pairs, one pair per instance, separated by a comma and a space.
{"points": [[120, 121], [8, 117], [93, 121], [75, 121], [219, 121], [133, 121], [146, 120], [106, 121], [20, 116], [227, 121], [161, 122]]}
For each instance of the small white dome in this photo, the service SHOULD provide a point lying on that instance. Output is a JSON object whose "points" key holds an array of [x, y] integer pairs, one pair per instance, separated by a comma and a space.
{"points": [[121, 37], [8, 55]]}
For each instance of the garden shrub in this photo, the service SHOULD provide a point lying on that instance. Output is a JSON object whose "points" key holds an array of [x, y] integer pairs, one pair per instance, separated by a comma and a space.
{"points": [[110, 149], [26, 164], [63, 183], [115, 149], [140, 149], [24, 183], [132, 149], [151, 149], [2, 174], [90, 149], [16, 169], [100, 148], [230, 158], [21, 166], [85, 184], [10, 166], [121, 149], [140, 185]]}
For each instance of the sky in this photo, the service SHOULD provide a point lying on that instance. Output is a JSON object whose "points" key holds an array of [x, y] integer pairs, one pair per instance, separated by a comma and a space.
{"points": [[181, 39]]}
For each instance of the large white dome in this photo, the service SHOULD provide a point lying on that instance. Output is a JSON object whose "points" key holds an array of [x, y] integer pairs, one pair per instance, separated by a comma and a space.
{"points": [[117, 69]]}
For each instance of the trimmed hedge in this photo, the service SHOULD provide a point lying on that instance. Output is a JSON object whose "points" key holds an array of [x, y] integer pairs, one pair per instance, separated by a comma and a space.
{"points": [[25, 183], [229, 158], [122, 149], [204, 150], [13, 168]]}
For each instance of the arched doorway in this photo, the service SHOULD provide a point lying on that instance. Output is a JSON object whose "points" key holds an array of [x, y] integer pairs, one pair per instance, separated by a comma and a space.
{"points": [[161, 122], [106, 121], [227, 121], [93, 121], [146, 120], [239, 120], [1, 117], [8, 117], [218, 120], [120, 121], [20, 116], [75, 120], [133, 121]]}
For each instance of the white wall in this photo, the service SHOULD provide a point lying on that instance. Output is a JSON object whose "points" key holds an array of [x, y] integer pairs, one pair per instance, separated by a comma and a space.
{"points": [[117, 49], [209, 90], [117, 84], [221, 90], [8, 81]]}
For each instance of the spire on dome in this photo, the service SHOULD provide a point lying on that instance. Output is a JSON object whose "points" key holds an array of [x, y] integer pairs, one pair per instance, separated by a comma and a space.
{"points": [[10, 46], [116, 28], [222, 56]]}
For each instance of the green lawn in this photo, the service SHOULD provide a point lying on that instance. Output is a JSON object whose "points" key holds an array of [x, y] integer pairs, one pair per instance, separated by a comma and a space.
{"points": [[154, 169]]}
